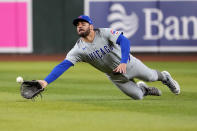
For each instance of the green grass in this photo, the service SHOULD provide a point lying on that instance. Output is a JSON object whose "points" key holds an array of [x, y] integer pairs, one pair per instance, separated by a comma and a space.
{"points": [[83, 99]]}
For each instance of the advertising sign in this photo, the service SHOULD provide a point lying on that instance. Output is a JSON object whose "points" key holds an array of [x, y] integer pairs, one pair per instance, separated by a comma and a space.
{"points": [[15, 26], [150, 25]]}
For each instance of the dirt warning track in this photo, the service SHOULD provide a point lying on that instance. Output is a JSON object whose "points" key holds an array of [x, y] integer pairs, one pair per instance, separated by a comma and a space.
{"points": [[60, 57]]}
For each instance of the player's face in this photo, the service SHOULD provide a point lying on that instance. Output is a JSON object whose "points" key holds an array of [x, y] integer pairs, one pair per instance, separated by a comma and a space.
{"points": [[83, 29]]}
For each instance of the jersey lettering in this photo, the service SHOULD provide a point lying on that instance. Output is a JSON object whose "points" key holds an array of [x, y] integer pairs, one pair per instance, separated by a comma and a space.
{"points": [[99, 54], [103, 52], [95, 55]]}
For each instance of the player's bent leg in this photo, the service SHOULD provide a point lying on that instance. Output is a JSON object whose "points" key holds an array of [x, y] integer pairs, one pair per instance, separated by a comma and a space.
{"points": [[127, 87], [131, 90], [148, 90], [141, 71]]}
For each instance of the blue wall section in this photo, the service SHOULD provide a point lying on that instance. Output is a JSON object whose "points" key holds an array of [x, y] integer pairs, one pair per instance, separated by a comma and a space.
{"points": [[150, 25]]}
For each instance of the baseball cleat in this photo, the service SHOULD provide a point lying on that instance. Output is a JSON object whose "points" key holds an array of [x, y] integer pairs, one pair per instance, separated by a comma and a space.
{"points": [[171, 83], [149, 90]]}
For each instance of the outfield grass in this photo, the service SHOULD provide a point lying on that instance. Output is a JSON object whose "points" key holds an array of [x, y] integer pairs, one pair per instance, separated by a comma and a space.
{"points": [[83, 99]]}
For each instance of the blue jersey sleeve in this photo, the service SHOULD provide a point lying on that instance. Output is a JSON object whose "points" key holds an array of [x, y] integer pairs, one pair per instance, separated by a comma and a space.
{"points": [[125, 48], [58, 71]]}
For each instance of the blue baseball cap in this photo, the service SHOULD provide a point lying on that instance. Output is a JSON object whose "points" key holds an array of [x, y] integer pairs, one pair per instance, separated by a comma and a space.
{"points": [[82, 18]]}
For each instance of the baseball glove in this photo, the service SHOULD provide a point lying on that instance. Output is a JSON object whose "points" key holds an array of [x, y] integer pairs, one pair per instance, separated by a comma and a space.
{"points": [[31, 89]]}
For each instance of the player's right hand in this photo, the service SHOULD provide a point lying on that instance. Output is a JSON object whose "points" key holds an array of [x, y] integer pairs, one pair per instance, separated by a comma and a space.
{"points": [[43, 83], [121, 68]]}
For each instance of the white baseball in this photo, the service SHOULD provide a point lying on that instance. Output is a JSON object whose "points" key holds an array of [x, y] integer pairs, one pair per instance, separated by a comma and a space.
{"points": [[19, 79]]}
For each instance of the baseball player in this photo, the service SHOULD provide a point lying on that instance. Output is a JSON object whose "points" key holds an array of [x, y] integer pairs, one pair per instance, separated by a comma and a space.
{"points": [[109, 51]]}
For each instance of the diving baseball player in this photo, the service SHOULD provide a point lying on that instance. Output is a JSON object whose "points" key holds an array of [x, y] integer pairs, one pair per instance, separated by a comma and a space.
{"points": [[109, 51]]}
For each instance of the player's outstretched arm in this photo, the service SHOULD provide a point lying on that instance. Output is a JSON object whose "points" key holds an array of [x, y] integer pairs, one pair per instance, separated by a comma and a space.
{"points": [[56, 72]]}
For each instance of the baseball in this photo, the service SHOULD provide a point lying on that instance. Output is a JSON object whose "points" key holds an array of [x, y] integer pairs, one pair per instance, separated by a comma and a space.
{"points": [[19, 79]]}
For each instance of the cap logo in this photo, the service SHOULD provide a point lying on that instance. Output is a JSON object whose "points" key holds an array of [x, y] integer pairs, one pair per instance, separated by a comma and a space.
{"points": [[114, 32]]}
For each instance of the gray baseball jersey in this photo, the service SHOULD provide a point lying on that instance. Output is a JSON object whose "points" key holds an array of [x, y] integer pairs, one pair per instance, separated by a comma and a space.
{"points": [[103, 53]]}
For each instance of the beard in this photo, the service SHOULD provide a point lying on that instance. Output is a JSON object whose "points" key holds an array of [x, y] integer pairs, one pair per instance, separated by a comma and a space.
{"points": [[84, 33]]}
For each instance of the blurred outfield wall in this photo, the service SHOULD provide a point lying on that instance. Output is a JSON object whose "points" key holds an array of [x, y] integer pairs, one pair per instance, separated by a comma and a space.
{"points": [[45, 26], [38, 26], [52, 25]]}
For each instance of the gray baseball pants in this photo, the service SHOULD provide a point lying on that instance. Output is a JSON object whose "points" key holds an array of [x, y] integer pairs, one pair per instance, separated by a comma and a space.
{"points": [[135, 69]]}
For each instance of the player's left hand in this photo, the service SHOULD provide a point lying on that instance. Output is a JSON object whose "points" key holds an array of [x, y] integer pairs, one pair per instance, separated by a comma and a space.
{"points": [[121, 68], [43, 83]]}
